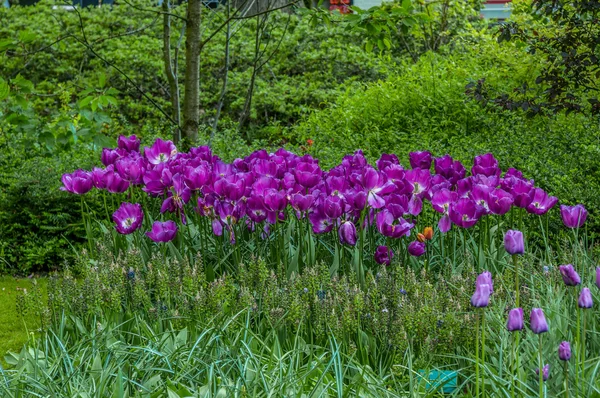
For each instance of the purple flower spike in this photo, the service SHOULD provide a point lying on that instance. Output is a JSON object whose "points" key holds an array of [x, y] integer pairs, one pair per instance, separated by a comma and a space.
{"points": [[564, 351], [569, 275], [573, 216], [163, 231], [513, 242], [486, 165], [464, 213], [160, 152], [585, 299], [128, 218], [78, 182], [537, 321], [130, 144], [545, 372], [416, 248], [420, 159], [541, 202], [347, 233], [481, 297], [515, 320], [383, 255]]}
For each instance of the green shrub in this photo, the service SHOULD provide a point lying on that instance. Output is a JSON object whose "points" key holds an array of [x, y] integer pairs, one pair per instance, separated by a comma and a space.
{"points": [[424, 108]]}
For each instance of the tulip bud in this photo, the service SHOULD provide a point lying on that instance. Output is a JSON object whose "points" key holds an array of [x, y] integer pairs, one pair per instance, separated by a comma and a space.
{"points": [[598, 277], [416, 249], [515, 320], [420, 237], [383, 255], [428, 233], [537, 321], [481, 297], [564, 351], [585, 298], [545, 372], [569, 275], [485, 278], [347, 233], [513, 242]]}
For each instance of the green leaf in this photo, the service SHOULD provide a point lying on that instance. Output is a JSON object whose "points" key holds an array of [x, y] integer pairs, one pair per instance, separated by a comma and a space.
{"points": [[101, 80], [4, 89], [27, 36], [85, 102]]}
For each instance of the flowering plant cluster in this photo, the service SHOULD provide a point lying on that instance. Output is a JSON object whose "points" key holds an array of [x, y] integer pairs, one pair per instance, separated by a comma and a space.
{"points": [[265, 189]]}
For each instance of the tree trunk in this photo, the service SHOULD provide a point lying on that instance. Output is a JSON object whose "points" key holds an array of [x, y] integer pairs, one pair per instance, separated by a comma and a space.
{"points": [[191, 98], [171, 72]]}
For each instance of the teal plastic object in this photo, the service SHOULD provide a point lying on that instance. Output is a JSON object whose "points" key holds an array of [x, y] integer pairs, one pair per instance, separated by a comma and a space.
{"points": [[444, 380]]}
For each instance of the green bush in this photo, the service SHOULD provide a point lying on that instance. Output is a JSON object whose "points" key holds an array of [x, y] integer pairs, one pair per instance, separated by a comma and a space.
{"points": [[425, 108]]}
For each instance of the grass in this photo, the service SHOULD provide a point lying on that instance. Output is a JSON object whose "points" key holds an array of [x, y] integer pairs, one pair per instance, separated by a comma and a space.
{"points": [[13, 331]]}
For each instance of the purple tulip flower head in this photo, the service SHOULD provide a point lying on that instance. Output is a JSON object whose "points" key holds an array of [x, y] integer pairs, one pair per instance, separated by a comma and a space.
{"points": [[347, 233], [386, 160], [163, 231], [500, 201], [416, 248], [452, 170], [383, 255], [545, 372], [160, 152], [77, 182], [481, 297], [537, 321], [486, 165], [113, 182], [522, 192], [515, 320], [573, 216], [420, 159], [564, 351], [128, 217], [308, 174], [569, 275], [485, 278], [130, 144], [585, 299], [513, 242], [541, 202], [598, 277], [464, 213], [110, 156]]}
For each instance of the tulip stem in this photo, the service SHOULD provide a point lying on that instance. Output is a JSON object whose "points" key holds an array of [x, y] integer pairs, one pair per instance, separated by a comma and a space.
{"points": [[583, 349], [541, 367], [477, 358], [578, 343], [517, 287], [483, 346], [515, 363], [566, 379]]}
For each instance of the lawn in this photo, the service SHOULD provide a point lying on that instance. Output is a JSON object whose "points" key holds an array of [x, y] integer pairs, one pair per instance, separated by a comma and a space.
{"points": [[13, 330]]}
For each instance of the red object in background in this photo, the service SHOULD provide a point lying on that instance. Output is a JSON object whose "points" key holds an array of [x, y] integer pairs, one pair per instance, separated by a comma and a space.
{"points": [[344, 9], [334, 2], [333, 8], [345, 1]]}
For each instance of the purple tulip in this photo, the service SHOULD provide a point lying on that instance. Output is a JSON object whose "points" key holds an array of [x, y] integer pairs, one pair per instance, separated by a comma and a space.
{"points": [[445, 224], [480, 194], [128, 218], [522, 192], [308, 174], [110, 156], [545, 372], [569, 275], [301, 202], [481, 297], [585, 299], [500, 201], [416, 248], [377, 186], [573, 216], [163, 231], [131, 169], [464, 213], [387, 160], [197, 177], [160, 152], [541, 202], [513, 242], [515, 320], [486, 165], [157, 180], [333, 207], [420, 159], [77, 182], [392, 227], [419, 180], [537, 321], [442, 199], [130, 144], [564, 351], [113, 182], [485, 278], [347, 233], [383, 255], [453, 170], [598, 277]]}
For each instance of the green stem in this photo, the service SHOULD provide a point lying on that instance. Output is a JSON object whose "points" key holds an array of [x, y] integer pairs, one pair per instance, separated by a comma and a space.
{"points": [[517, 287], [541, 367], [578, 343], [583, 349], [566, 379], [477, 358], [483, 346]]}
